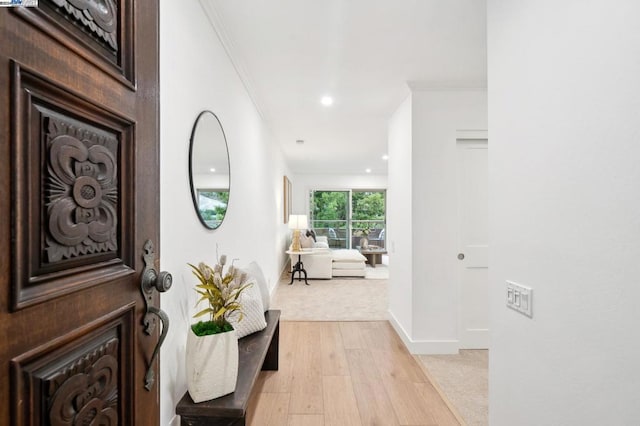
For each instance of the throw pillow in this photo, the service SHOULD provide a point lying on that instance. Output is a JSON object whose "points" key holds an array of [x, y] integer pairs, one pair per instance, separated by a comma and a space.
{"points": [[311, 233], [322, 239], [253, 313], [321, 244], [306, 242], [254, 271]]}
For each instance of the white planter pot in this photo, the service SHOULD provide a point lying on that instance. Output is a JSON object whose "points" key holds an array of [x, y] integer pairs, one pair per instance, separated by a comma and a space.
{"points": [[212, 365]]}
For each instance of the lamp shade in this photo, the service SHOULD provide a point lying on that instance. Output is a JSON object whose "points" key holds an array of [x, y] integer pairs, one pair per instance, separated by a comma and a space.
{"points": [[298, 221]]}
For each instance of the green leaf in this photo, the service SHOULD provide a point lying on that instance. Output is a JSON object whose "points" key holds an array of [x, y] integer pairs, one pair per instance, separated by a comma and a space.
{"points": [[203, 298], [220, 313], [210, 286], [197, 273], [203, 312]]}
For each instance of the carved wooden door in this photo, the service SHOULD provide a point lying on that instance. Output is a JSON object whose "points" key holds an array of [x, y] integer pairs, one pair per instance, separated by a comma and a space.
{"points": [[79, 184]]}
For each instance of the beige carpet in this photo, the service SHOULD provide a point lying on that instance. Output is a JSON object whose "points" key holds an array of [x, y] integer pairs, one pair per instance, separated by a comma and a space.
{"points": [[337, 299], [463, 378], [380, 272]]}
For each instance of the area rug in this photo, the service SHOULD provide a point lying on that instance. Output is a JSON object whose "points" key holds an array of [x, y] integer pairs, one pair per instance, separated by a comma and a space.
{"points": [[344, 299]]}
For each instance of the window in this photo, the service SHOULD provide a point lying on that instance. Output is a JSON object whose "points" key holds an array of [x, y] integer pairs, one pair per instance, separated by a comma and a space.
{"points": [[346, 217], [329, 211], [369, 217]]}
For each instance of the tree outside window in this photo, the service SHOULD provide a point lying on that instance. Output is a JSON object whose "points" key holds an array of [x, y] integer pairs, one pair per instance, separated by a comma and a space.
{"points": [[330, 216]]}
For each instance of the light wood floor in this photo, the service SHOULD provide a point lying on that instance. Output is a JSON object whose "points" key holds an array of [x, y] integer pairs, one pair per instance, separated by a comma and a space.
{"points": [[342, 374]]}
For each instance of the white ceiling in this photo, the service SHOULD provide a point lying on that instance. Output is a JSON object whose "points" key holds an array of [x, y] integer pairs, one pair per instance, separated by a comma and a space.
{"points": [[361, 52]]}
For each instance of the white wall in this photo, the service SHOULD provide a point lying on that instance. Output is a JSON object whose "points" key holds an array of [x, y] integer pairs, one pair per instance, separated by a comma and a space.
{"points": [[196, 74], [399, 219], [436, 117], [564, 102], [428, 190]]}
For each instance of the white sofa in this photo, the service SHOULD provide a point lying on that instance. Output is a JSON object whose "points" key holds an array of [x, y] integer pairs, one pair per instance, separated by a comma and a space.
{"points": [[321, 262]]}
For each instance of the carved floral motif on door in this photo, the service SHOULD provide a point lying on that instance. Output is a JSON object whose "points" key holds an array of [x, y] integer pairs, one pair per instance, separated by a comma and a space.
{"points": [[82, 191]]}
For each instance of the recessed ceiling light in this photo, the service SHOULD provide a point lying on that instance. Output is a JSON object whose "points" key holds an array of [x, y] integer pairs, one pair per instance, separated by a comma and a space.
{"points": [[212, 170], [385, 157], [368, 170], [326, 101]]}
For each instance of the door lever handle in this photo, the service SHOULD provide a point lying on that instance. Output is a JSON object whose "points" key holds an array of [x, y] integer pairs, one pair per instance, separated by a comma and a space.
{"points": [[149, 377], [161, 282]]}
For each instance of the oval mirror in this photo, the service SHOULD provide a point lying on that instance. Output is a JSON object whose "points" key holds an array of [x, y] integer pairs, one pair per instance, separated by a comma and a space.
{"points": [[209, 170]]}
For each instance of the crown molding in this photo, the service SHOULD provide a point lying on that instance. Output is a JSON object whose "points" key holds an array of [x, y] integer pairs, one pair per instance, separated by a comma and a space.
{"points": [[439, 86], [217, 23]]}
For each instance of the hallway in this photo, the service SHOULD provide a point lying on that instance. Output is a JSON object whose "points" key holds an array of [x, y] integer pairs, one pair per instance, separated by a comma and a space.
{"points": [[346, 373]]}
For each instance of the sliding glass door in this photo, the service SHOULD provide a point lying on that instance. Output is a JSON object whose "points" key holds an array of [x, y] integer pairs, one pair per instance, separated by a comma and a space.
{"points": [[347, 216], [329, 211], [368, 218]]}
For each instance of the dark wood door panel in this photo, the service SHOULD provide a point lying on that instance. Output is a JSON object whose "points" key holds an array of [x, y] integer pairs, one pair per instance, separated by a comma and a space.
{"points": [[101, 32], [78, 200], [83, 377], [72, 169], [52, 59], [44, 322]]}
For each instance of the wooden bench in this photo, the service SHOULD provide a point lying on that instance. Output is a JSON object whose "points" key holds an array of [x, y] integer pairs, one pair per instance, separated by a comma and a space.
{"points": [[258, 351]]}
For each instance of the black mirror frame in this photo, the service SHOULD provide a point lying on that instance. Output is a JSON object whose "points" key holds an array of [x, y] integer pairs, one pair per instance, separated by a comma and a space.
{"points": [[194, 195]]}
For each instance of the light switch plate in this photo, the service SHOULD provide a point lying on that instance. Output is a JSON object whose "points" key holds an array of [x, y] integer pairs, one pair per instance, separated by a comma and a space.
{"points": [[519, 298]]}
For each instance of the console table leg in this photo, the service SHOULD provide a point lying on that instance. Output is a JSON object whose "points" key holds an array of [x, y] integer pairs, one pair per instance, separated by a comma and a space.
{"points": [[271, 360]]}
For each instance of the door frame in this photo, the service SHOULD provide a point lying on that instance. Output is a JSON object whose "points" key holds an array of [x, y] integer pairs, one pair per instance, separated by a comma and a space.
{"points": [[472, 138]]}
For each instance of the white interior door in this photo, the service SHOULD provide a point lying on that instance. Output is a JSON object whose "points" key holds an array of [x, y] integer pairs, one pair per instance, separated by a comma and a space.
{"points": [[473, 243]]}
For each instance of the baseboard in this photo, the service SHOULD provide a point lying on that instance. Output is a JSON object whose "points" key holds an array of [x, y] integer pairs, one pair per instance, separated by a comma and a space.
{"points": [[474, 339], [424, 347], [285, 268]]}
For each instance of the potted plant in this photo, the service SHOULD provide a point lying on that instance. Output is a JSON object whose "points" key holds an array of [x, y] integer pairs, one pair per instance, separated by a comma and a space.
{"points": [[212, 344]]}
